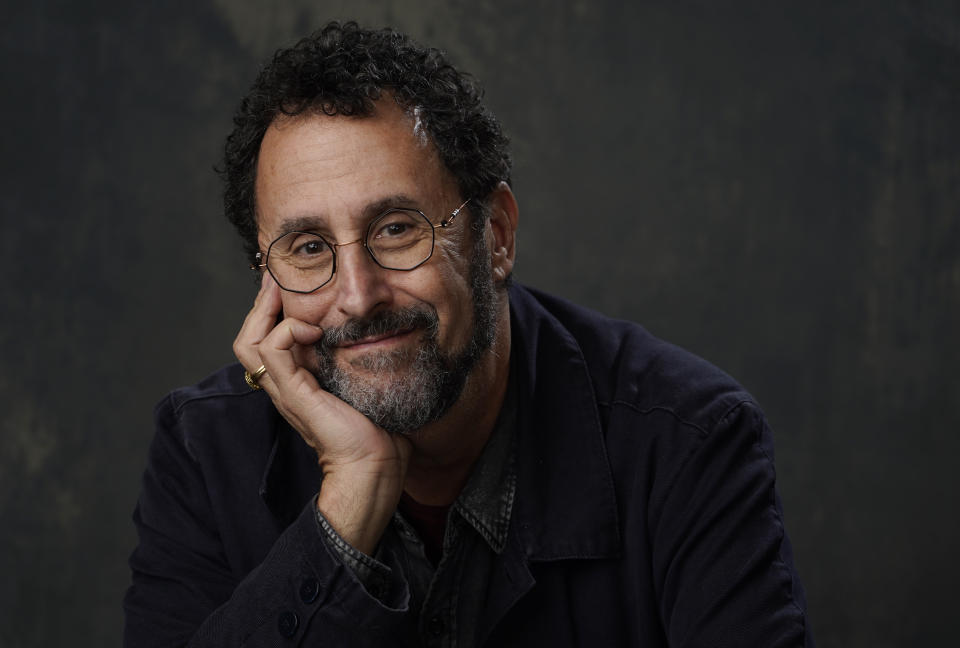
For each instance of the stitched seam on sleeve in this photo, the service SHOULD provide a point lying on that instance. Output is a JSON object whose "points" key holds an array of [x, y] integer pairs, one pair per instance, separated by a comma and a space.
{"points": [[369, 571], [759, 425]]}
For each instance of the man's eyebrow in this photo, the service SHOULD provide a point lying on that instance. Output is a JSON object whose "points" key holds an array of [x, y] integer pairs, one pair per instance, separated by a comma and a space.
{"points": [[319, 223], [302, 223], [376, 208]]}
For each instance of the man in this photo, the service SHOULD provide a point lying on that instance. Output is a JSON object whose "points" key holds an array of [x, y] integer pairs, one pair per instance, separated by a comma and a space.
{"points": [[413, 450]]}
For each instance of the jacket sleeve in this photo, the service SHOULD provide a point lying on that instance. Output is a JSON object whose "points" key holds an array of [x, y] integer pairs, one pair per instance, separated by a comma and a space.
{"points": [[185, 593], [723, 562]]}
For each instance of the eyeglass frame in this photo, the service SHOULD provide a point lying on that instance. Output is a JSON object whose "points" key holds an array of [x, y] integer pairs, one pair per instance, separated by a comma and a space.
{"points": [[443, 224]]}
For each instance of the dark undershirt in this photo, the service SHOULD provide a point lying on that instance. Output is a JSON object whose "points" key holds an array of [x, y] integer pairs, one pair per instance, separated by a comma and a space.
{"points": [[430, 523]]}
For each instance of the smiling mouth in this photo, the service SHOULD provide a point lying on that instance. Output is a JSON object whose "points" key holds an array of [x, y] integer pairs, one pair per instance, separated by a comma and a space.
{"points": [[372, 340]]}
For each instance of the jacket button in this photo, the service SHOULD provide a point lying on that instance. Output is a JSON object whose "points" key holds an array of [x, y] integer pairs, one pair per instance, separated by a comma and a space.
{"points": [[309, 589], [435, 626], [287, 624]]}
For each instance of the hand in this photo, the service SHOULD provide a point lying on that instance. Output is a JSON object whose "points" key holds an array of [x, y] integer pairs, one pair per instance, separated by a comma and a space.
{"points": [[364, 466]]}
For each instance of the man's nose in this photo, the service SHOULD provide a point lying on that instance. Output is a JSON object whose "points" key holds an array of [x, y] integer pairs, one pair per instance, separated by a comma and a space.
{"points": [[360, 283]]}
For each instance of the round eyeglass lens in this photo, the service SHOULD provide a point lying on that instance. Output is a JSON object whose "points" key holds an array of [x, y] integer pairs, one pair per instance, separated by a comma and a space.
{"points": [[300, 261], [400, 239]]}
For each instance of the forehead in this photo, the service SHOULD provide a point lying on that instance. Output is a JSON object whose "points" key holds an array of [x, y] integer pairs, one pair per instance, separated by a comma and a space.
{"points": [[330, 170]]}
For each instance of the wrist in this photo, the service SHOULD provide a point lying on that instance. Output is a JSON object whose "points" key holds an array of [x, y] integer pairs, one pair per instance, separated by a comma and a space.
{"points": [[358, 502]]}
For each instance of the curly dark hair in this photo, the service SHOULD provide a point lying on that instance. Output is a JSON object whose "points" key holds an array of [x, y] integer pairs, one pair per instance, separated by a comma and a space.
{"points": [[343, 69]]}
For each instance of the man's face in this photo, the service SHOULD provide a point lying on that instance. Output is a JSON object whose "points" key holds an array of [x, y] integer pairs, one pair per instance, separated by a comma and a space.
{"points": [[398, 345]]}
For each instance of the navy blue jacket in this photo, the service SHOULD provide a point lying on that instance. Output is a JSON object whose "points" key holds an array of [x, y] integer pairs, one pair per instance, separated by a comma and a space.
{"points": [[646, 512]]}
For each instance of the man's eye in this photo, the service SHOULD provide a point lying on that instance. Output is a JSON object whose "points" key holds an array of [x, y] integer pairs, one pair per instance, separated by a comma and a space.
{"points": [[311, 248], [397, 230], [394, 229]]}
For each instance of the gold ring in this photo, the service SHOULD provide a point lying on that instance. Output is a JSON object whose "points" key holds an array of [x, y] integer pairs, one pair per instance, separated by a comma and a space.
{"points": [[254, 377]]}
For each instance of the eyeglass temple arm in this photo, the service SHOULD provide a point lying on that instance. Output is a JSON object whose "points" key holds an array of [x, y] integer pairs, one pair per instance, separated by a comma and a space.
{"points": [[448, 221], [256, 259]]}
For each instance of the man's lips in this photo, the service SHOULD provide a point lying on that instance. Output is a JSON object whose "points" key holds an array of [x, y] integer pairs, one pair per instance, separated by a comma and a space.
{"points": [[373, 339]]}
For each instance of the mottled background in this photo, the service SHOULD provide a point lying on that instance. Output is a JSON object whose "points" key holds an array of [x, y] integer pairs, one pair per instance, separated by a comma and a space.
{"points": [[773, 185]]}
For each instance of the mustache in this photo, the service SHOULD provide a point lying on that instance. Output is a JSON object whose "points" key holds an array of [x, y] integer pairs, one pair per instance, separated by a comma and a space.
{"points": [[401, 319]]}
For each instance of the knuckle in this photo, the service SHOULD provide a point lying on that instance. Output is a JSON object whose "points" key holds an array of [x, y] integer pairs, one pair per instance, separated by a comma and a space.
{"points": [[269, 340]]}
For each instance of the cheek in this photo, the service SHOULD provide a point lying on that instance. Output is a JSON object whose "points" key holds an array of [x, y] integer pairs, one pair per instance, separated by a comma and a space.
{"points": [[454, 298], [306, 308], [453, 253]]}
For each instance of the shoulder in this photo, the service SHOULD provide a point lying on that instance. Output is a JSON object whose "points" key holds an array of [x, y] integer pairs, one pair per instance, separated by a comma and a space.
{"points": [[226, 383], [632, 369], [222, 392], [221, 406]]}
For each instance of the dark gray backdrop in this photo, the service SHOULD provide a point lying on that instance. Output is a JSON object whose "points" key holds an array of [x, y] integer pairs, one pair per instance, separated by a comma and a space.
{"points": [[774, 185]]}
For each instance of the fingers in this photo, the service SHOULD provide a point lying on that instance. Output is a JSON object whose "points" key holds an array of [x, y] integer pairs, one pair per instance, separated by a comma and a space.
{"points": [[280, 347], [263, 316], [259, 322], [281, 353]]}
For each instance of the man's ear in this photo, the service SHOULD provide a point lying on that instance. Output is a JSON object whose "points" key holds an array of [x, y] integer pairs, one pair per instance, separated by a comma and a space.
{"points": [[504, 215]]}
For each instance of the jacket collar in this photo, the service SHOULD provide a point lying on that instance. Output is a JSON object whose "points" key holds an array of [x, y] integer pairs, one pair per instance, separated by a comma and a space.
{"points": [[565, 503]]}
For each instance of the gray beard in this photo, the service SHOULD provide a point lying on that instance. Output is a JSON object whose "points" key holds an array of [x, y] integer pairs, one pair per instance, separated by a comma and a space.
{"points": [[406, 389]]}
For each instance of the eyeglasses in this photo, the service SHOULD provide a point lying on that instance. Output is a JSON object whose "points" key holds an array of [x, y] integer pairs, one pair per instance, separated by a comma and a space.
{"points": [[400, 238]]}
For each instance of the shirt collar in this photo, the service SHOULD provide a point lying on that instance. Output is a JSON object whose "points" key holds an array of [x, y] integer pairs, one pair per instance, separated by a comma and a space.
{"points": [[486, 500]]}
